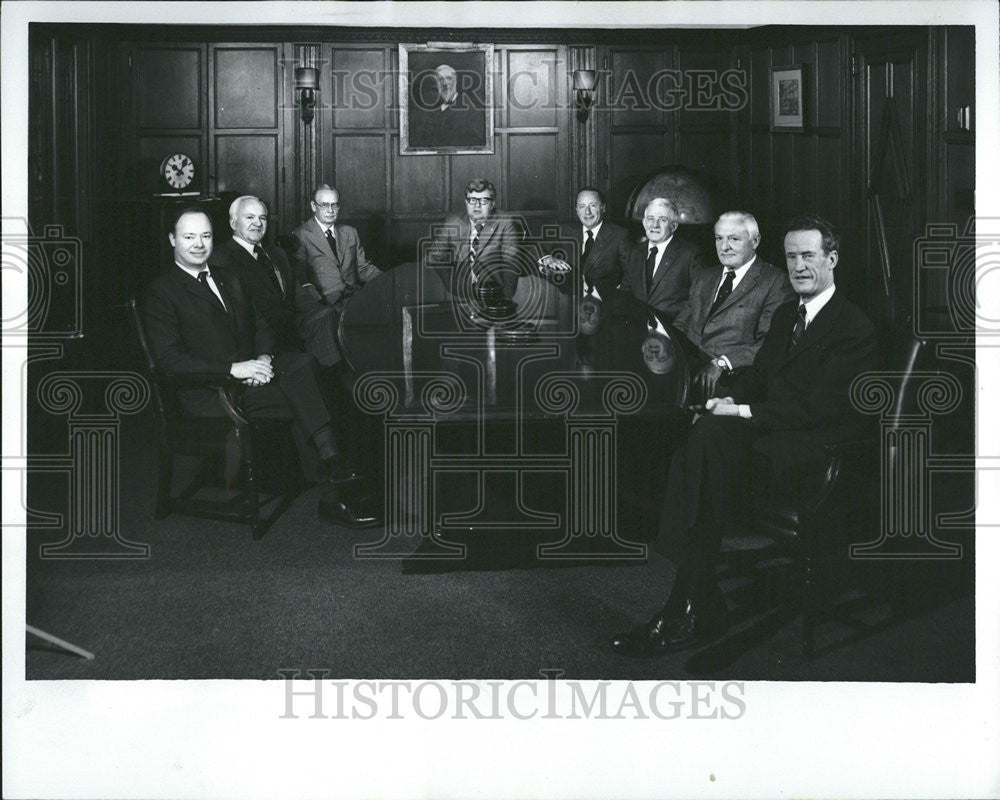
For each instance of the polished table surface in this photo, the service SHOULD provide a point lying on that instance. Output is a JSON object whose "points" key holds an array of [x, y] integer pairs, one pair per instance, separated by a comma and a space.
{"points": [[556, 425], [552, 360]]}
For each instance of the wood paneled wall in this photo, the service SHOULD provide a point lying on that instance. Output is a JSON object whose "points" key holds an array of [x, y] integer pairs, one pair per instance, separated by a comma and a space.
{"points": [[107, 105], [393, 198]]}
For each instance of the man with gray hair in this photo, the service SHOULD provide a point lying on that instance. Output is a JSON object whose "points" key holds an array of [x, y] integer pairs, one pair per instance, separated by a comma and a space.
{"points": [[661, 266], [728, 312], [264, 270]]}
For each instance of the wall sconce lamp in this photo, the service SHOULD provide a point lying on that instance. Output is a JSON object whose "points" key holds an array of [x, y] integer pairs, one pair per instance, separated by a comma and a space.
{"points": [[306, 86], [584, 81]]}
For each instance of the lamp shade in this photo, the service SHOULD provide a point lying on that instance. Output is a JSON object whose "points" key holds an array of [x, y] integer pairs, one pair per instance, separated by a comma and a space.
{"points": [[306, 78], [584, 79]]}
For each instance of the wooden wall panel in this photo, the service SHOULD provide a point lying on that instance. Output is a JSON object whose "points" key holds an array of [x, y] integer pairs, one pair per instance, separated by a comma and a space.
{"points": [[359, 166], [760, 87], [246, 88], [248, 165], [632, 72], [362, 88], [171, 81], [710, 153], [530, 175], [633, 155], [417, 183], [532, 97], [827, 83], [831, 194]]}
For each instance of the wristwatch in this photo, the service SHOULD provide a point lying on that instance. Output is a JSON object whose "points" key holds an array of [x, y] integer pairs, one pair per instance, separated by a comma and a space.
{"points": [[721, 364]]}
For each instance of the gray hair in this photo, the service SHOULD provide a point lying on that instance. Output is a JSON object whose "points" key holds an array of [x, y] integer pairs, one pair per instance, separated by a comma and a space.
{"points": [[234, 207], [668, 204], [745, 218]]}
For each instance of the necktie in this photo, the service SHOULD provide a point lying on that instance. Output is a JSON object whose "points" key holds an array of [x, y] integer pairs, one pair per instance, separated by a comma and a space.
{"points": [[332, 241], [650, 267], [474, 247], [270, 268], [799, 329], [203, 277], [588, 243], [724, 291]]}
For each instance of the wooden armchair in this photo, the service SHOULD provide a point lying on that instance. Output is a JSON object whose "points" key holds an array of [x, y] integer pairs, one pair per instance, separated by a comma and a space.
{"points": [[210, 438]]}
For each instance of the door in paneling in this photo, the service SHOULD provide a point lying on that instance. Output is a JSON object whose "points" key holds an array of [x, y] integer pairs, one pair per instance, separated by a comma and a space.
{"points": [[891, 124]]}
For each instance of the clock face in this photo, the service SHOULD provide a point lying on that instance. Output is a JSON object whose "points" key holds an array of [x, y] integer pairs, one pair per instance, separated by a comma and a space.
{"points": [[177, 170]]}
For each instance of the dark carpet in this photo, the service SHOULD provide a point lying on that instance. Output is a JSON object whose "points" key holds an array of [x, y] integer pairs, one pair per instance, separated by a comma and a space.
{"points": [[211, 603]]}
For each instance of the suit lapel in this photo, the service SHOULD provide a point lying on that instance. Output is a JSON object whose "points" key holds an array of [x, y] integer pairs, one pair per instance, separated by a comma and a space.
{"points": [[227, 296], [819, 329], [745, 286], [200, 291], [668, 256], [320, 240]]}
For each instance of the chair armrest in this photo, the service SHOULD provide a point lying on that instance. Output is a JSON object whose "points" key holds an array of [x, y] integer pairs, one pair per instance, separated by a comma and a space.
{"points": [[225, 385], [194, 380]]}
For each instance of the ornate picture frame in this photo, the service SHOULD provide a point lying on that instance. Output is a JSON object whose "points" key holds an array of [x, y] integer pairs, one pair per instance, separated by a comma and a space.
{"points": [[445, 98], [787, 99]]}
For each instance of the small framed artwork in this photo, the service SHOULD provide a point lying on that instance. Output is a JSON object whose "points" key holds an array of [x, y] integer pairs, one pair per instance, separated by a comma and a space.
{"points": [[445, 98], [787, 101]]}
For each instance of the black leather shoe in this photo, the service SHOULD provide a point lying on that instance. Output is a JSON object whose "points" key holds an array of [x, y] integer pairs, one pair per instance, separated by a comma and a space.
{"points": [[350, 514], [336, 470], [670, 633], [699, 625]]}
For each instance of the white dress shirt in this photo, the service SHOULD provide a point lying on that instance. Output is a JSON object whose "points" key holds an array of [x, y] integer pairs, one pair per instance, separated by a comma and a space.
{"points": [[660, 247]]}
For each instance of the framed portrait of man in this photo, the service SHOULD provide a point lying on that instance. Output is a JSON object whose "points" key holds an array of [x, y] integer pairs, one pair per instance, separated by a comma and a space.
{"points": [[445, 98]]}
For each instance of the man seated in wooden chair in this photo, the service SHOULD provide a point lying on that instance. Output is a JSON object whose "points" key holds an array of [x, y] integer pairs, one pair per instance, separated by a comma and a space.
{"points": [[202, 320], [790, 403]]}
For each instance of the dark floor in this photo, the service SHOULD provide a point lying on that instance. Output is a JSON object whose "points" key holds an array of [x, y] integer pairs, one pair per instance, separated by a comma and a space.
{"points": [[211, 603]]}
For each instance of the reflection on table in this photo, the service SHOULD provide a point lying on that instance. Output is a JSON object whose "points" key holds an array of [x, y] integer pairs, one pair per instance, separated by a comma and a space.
{"points": [[551, 426]]}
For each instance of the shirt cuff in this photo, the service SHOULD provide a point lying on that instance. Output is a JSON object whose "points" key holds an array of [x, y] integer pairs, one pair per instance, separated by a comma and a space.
{"points": [[729, 364], [744, 411]]}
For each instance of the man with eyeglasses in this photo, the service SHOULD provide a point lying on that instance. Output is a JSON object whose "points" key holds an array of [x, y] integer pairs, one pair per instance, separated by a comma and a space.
{"points": [[596, 265], [661, 266], [477, 247], [331, 254]]}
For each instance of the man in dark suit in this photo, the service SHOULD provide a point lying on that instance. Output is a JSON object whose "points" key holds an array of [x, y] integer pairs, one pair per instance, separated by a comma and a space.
{"points": [[477, 248], [728, 312], [452, 118], [790, 403], [603, 249], [660, 267], [264, 271], [202, 320]]}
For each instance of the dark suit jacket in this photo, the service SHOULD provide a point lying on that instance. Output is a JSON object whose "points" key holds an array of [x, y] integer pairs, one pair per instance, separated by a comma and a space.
{"points": [[333, 274], [189, 331], [498, 256], [605, 261], [736, 329], [680, 263], [462, 124], [799, 401], [800, 398], [277, 308]]}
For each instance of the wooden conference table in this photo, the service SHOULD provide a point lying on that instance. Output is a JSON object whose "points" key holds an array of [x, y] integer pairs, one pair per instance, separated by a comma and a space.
{"points": [[547, 433]]}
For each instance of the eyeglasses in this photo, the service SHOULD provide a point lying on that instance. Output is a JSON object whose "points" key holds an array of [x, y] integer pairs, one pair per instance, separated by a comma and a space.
{"points": [[328, 206], [478, 201], [656, 220]]}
